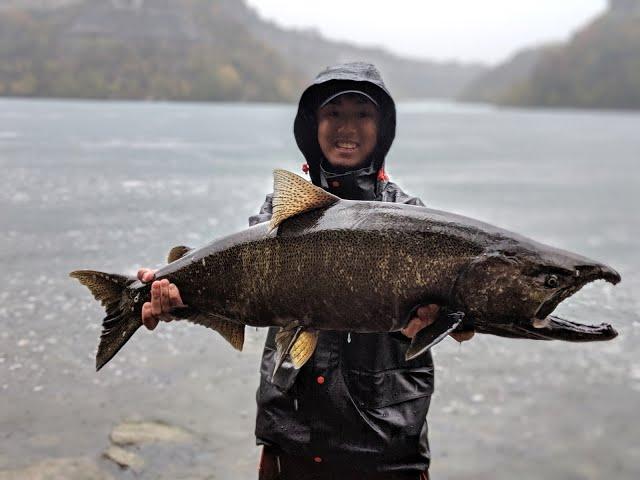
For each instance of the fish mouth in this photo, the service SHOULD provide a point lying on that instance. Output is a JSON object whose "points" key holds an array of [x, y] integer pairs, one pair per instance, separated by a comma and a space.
{"points": [[557, 328], [550, 327]]}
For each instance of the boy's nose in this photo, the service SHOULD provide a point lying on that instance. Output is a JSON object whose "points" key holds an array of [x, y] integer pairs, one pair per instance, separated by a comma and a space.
{"points": [[347, 125]]}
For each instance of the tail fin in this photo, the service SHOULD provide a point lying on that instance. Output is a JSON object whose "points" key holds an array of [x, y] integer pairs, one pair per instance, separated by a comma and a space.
{"points": [[122, 319]]}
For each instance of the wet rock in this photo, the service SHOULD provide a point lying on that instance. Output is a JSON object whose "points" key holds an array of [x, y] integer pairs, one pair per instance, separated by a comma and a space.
{"points": [[124, 458], [136, 433], [58, 469]]}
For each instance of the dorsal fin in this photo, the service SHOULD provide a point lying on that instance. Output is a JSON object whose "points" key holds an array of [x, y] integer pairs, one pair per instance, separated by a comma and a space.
{"points": [[177, 252], [293, 195]]}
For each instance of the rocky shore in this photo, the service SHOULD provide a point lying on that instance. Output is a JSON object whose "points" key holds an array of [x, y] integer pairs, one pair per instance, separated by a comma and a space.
{"points": [[130, 442]]}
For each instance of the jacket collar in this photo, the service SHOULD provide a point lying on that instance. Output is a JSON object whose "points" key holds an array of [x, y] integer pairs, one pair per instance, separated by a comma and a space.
{"points": [[359, 184]]}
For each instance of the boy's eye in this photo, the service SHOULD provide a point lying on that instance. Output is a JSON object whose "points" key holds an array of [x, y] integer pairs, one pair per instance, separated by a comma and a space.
{"points": [[364, 114]]}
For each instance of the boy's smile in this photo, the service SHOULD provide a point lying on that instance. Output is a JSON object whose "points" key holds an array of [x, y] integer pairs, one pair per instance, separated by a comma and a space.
{"points": [[348, 130]]}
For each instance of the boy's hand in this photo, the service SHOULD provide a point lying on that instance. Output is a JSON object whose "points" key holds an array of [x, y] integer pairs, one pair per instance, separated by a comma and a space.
{"points": [[164, 298], [425, 316]]}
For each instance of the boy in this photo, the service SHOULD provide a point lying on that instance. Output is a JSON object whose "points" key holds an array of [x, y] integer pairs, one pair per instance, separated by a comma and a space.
{"points": [[357, 409]]}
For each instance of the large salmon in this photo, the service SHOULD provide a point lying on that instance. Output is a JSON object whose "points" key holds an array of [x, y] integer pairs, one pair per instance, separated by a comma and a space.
{"points": [[329, 264]]}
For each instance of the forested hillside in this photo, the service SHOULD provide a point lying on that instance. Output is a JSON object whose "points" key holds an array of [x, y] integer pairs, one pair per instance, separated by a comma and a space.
{"points": [[599, 67], [491, 85], [182, 50], [165, 49], [310, 52]]}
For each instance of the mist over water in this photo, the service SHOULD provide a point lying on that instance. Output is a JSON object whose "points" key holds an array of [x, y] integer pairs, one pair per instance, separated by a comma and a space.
{"points": [[113, 186]]}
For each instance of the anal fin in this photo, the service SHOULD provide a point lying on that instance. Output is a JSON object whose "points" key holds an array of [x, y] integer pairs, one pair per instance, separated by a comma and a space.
{"points": [[433, 334], [231, 331]]}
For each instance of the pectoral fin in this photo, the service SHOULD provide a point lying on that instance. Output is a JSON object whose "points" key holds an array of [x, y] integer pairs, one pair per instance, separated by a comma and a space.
{"points": [[296, 343], [231, 331], [434, 333]]}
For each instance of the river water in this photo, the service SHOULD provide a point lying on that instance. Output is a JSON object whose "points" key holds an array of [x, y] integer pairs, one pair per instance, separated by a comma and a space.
{"points": [[113, 186]]}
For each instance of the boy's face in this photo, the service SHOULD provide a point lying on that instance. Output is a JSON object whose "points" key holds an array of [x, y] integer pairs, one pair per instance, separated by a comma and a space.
{"points": [[348, 130]]}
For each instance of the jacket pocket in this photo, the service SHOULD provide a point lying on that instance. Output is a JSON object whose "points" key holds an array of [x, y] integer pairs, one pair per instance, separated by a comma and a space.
{"points": [[375, 352], [372, 390], [284, 378]]}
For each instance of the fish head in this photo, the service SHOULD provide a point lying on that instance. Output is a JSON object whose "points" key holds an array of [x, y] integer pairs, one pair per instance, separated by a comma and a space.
{"points": [[513, 291]]}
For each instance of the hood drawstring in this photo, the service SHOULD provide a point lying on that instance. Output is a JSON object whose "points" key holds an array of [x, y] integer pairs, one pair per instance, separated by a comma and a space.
{"points": [[305, 168], [382, 175]]}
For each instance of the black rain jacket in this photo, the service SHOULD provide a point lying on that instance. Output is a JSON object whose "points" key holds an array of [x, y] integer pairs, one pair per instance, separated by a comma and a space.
{"points": [[356, 402]]}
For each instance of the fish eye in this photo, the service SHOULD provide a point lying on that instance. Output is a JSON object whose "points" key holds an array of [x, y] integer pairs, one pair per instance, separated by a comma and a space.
{"points": [[551, 281]]}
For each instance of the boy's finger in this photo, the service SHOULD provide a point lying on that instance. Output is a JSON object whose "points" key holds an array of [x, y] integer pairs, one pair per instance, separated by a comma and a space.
{"points": [[149, 276], [145, 312], [156, 306], [413, 327], [428, 313], [174, 296], [147, 318], [164, 296], [146, 275]]}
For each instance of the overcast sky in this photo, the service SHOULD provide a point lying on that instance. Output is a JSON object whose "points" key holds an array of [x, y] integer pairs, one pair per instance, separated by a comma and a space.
{"points": [[483, 30]]}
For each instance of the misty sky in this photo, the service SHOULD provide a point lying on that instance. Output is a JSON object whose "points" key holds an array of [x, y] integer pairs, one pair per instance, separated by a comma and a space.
{"points": [[484, 30]]}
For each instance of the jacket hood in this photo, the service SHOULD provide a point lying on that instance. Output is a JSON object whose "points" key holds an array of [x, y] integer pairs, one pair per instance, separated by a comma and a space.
{"points": [[358, 184]]}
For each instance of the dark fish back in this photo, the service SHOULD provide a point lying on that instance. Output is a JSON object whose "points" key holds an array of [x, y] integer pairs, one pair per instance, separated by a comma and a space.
{"points": [[366, 276]]}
